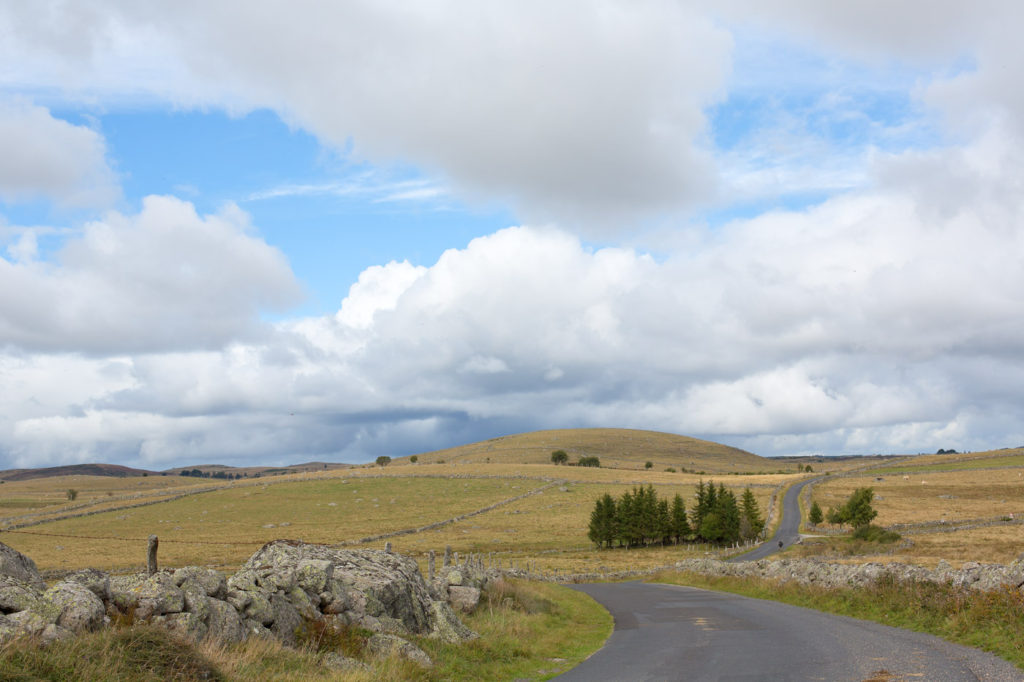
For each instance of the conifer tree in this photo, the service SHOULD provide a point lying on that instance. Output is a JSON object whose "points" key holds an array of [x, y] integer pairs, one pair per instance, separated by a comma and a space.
{"points": [[815, 516], [680, 527], [751, 523]]}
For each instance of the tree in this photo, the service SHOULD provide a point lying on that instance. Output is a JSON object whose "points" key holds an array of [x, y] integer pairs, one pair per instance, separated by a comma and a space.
{"points": [[589, 462], [815, 516], [602, 529], [858, 509], [383, 461], [414, 459], [71, 493], [679, 527], [559, 457], [836, 517], [648, 465], [751, 523], [808, 469]]}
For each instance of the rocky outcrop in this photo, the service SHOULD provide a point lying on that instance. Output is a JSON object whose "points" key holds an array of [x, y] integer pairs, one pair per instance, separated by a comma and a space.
{"points": [[810, 571], [277, 592]]}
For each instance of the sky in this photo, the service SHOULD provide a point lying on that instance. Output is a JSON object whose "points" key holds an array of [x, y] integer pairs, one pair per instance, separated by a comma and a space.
{"points": [[313, 231]]}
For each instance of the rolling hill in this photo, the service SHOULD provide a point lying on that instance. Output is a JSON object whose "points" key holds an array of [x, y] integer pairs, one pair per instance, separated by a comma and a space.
{"points": [[75, 470], [622, 448]]}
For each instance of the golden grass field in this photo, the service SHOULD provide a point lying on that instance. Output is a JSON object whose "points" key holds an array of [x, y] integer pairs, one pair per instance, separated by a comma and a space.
{"points": [[619, 448], [938, 491], [546, 530], [222, 528]]}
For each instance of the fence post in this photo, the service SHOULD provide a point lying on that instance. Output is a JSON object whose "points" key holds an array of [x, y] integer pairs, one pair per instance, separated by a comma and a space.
{"points": [[154, 542], [430, 566]]}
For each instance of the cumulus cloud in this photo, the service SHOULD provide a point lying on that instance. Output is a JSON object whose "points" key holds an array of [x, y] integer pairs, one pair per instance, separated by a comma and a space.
{"points": [[46, 157], [572, 110], [873, 322], [165, 278]]}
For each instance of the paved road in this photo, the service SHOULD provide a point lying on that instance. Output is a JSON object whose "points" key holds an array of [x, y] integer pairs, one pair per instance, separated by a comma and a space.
{"points": [[667, 632], [788, 531]]}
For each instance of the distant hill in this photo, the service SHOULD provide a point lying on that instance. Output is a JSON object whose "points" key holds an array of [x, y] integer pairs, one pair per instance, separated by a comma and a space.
{"points": [[222, 471], [626, 448], [115, 470], [205, 470]]}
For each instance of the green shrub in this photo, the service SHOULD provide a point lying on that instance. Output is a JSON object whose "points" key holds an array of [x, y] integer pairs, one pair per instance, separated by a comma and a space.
{"points": [[873, 533]]}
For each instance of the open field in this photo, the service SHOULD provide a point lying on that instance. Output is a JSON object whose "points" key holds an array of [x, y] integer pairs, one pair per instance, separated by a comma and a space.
{"points": [[935, 496], [223, 527], [937, 505]]}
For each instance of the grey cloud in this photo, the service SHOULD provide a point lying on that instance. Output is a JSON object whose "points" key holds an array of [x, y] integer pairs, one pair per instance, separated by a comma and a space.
{"points": [[46, 157]]}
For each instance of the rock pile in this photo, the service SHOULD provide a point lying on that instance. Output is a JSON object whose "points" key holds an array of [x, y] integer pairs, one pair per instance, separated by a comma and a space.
{"points": [[281, 588], [810, 571]]}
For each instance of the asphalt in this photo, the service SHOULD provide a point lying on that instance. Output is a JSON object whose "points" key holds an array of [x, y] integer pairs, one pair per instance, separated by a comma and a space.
{"points": [[668, 632], [788, 531]]}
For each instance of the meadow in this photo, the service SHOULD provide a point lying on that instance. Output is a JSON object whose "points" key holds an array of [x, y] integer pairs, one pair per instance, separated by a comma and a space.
{"points": [[937, 502]]}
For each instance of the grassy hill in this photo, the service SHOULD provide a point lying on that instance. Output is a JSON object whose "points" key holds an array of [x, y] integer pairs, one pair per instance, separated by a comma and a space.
{"points": [[75, 470], [620, 448]]}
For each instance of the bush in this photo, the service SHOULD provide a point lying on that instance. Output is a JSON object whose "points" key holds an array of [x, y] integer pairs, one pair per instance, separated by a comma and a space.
{"points": [[671, 470], [72, 494], [648, 465], [559, 457], [589, 462], [873, 533], [414, 459]]}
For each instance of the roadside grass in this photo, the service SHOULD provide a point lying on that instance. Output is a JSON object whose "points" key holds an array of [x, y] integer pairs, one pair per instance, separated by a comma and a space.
{"points": [[991, 621], [528, 631]]}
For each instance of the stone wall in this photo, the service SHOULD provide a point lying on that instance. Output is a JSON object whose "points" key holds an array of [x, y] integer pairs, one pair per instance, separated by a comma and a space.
{"points": [[283, 586]]}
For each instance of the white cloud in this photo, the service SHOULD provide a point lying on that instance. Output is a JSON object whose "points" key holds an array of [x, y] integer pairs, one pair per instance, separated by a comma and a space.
{"points": [[589, 112], [165, 278], [46, 157]]}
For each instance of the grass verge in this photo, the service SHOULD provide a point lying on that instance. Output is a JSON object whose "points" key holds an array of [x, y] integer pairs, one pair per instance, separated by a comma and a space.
{"points": [[991, 621], [527, 631]]}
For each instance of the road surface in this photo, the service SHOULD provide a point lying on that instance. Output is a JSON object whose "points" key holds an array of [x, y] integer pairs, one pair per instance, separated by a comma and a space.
{"points": [[668, 632], [788, 531]]}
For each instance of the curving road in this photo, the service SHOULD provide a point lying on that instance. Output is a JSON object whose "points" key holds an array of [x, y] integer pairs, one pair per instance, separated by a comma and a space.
{"points": [[668, 632], [788, 531]]}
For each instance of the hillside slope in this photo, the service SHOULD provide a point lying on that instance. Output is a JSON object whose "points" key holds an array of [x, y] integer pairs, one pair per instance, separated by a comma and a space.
{"points": [[625, 448], [75, 470]]}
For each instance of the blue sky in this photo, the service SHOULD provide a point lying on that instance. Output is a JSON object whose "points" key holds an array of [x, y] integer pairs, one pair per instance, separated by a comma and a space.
{"points": [[361, 230]]}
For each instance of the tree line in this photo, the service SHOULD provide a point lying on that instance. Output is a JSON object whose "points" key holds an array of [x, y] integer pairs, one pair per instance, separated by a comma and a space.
{"points": [[640, 518]]}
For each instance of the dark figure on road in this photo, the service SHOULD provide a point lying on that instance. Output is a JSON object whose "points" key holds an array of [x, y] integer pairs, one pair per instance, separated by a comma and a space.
{"points": [[780, 544]]}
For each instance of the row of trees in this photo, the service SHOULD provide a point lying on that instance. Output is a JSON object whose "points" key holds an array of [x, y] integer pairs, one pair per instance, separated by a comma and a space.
{"points": [[857, 511], [640, 518]]}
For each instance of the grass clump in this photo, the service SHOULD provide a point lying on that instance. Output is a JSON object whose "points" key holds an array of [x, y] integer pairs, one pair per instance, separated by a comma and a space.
{"points": [[137, 653], [322, 636], [992, 621], [527, 631]]}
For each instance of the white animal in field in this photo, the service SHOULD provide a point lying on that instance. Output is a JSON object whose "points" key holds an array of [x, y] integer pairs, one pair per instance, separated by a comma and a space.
{"points": [[907, 478]]}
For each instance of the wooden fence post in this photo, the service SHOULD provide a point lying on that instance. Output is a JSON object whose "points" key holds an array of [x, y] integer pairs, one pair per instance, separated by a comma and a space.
{"points": [[154, 542]]}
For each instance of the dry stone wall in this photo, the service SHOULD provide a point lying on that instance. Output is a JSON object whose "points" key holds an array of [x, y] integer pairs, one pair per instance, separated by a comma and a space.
{"points": [[282, 587]]}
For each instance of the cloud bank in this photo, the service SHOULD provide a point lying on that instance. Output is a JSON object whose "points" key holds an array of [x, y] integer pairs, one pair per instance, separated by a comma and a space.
{"points": [[886, 317]]}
